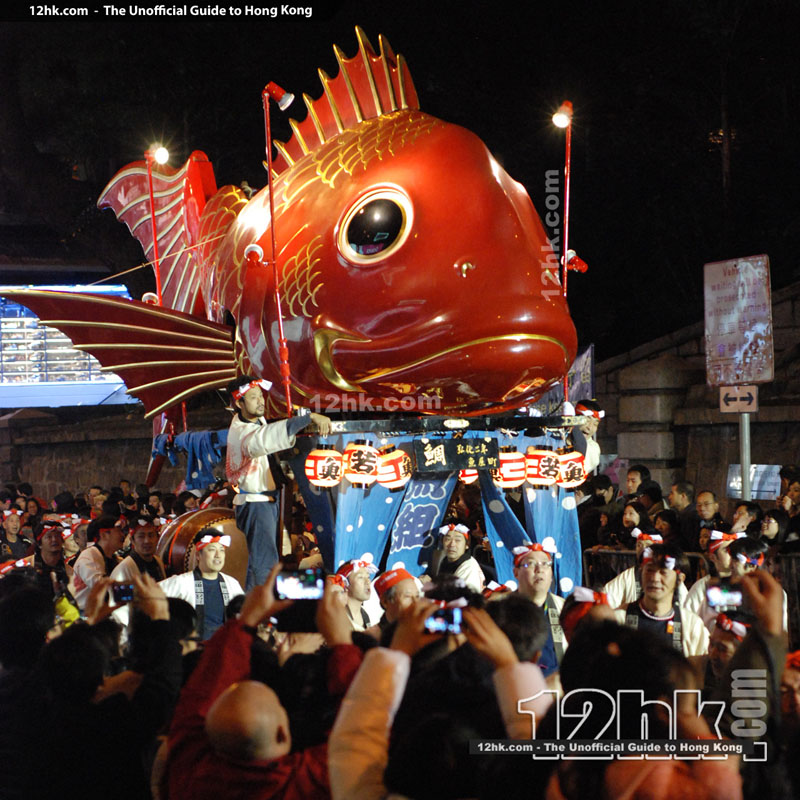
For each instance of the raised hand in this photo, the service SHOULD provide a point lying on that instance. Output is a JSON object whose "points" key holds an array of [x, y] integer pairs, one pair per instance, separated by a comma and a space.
{"points": [[487, 638]]}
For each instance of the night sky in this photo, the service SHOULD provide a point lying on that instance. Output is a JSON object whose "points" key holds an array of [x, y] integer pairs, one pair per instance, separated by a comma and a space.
{"points": [[652, 85]]}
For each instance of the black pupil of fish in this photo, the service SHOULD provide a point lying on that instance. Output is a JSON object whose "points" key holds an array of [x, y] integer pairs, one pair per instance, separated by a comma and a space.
{"points": [[375, 227]]}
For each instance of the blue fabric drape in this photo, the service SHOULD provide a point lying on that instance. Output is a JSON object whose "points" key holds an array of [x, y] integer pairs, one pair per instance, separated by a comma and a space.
{"points": [[417, 523]]}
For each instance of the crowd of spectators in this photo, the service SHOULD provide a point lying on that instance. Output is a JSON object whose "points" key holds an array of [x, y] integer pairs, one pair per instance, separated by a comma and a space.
{"points": [[188, 688]]}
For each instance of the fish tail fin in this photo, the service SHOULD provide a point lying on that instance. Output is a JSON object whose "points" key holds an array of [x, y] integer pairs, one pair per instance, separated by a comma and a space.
{"points": [[179, 197]]}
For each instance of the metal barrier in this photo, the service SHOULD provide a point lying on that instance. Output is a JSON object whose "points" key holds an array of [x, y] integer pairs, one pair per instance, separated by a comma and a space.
{"points": [[602, 564]]}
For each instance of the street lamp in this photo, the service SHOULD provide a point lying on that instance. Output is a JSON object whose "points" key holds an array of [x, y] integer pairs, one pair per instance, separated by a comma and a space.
{"points": [[563, 119], [284, 100], [159, 155]]}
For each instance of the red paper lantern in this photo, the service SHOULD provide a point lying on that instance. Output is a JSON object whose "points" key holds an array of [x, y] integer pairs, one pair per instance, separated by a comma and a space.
{"points": [[394, 468], [542, 467], [512, 470], [360, 463], [571, 469], [324, 467]]}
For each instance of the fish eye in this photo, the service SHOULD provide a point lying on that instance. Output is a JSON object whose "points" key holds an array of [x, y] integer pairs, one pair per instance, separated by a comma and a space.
{"points": [[375, 226]]}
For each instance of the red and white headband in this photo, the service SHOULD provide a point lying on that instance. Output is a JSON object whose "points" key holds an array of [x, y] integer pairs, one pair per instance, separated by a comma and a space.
{"points": [[647, 555], [493, 587], [585, 595], [9, 566], [755, 561], [586, 600], [391, 578], [738, 629], [653, 537], [445, 529], [240, 391], [548, 546], [718, 538], [225, 541], [13, 512], [459, 602], [212, 497], [589, 412], [338, 580], [47, 528], [349, 567]]}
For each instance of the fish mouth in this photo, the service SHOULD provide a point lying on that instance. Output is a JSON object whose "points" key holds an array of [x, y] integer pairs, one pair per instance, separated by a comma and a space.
{"points": [[464, 376]]}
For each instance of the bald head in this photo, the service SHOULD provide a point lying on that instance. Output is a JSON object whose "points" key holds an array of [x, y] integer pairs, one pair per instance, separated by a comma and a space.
{"points": [[247, 722]]}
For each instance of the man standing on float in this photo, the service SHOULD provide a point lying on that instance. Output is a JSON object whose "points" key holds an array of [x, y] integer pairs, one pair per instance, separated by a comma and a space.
{"points": [[251, 441]]}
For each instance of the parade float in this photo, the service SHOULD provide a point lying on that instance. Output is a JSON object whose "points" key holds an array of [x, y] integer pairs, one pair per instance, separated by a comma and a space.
{"points": [[391, 275]]}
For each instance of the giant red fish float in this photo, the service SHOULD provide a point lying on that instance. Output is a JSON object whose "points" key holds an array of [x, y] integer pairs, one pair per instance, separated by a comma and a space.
{"points": [[413, 270]]}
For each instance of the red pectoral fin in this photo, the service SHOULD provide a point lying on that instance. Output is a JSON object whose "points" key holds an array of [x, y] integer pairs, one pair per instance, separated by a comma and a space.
{"points": [[163, 355]]}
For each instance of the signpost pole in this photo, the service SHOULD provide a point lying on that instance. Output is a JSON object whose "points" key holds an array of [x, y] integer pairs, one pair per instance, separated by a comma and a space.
{"points": [[744, 453]]}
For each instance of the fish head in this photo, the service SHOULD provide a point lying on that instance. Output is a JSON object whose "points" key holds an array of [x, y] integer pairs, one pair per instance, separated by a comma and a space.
{"points": [[438, 280]]}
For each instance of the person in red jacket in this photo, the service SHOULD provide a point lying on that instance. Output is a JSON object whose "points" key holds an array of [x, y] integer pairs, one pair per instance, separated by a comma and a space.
{"points": [[230, 735]]}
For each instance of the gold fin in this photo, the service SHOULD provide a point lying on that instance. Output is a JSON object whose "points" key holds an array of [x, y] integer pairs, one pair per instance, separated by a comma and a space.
{"points": [[331, 102], [299, 136], [365, 48], [361, 77], [281, 148], [340, 57], [401, 76], [314, 118], [386, 54]]}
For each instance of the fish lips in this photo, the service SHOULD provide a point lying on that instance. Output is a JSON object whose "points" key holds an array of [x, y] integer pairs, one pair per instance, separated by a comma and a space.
{"points": [[468, 374]]}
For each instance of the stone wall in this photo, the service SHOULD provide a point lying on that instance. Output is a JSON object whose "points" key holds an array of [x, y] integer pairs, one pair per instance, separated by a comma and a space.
{"points": [[76, 448]]}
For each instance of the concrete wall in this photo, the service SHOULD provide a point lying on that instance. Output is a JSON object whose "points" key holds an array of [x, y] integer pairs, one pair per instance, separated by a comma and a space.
{"points": [[660, 412], [74, 449]]}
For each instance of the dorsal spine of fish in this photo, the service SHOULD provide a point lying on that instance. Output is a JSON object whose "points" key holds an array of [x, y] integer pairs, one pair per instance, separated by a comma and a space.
{"points": [[368, 85]]}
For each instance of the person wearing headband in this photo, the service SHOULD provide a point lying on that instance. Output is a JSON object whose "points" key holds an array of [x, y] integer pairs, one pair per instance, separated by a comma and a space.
{"points": [[727, 634], [12, 543], [658, 609], [719, 543], [627, 586], [747, 556], [98, 560], [251, 442], [48, 559], [584, 604], [358, 575], [458, 559], [397, 590], [207, 588], [533, 572], [584, 437], [143, 557]]}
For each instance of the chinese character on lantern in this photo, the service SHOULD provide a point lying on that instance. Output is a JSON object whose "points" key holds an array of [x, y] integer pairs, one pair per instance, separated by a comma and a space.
{"points": [[360, 463], [541, 466], [512, 469], [394, 468], [324, 467], [571, 471]]}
